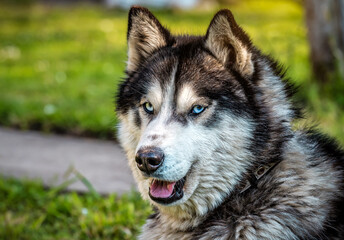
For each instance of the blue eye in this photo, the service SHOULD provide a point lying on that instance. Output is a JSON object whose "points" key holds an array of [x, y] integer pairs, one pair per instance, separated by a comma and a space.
{"points": [[148, 107], [197, 109]]}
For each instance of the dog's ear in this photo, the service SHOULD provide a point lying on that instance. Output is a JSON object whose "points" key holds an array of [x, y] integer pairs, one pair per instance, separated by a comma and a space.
{"points": [[145, 35], [229, 43]]}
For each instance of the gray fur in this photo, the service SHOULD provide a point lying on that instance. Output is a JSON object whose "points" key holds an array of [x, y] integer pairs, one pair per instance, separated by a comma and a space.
{"points": [[247, 123]]}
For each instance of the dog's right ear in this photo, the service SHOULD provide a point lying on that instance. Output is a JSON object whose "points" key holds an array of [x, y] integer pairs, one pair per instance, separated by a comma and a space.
{"points": [[145, 35]]}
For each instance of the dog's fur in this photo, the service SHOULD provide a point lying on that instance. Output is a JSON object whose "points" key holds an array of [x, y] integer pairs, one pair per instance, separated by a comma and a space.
{"points": [[246, 125]]}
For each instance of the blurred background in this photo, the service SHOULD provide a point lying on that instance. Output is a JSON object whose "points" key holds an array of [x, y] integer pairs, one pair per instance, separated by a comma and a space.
{"points": [[60, 65]]}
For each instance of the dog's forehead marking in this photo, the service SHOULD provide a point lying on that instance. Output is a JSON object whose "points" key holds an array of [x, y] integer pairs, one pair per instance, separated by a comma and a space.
{"points": [[170, 97], [161, 96], [170, 88], [162, 85]]}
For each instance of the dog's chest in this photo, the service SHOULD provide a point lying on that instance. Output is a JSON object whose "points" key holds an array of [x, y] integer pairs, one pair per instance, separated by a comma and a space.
{"points": [[161, 234], [156, 230]]}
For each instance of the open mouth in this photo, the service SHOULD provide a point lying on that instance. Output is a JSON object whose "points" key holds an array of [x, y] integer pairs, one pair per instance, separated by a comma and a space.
{"points": [[166, 192]]}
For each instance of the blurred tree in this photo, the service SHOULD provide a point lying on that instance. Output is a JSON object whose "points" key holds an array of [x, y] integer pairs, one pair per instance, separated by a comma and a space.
{"points": [[226, 2], [325, 22], [299, 1]]}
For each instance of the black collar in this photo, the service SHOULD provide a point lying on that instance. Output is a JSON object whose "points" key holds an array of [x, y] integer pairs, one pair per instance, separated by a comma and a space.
{"points": [[257, 174]]}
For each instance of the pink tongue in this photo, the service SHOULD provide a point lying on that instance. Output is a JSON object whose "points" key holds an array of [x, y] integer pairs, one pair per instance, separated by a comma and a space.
{"points": [[161, 189]]}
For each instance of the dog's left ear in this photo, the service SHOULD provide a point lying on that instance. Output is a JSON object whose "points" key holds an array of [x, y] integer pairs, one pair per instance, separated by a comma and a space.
{"points": [[145, 35], [229, 43]]}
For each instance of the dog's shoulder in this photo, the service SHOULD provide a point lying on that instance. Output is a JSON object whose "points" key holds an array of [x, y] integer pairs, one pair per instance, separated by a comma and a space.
{"points": [[303, 193]]}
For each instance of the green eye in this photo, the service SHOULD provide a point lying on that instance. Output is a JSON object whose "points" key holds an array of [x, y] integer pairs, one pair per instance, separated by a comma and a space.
{"points": [[148, 107], [197, 109]]}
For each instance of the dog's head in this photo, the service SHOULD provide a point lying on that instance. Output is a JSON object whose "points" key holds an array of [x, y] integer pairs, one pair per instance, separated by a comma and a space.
{"points": [[190, 108]]}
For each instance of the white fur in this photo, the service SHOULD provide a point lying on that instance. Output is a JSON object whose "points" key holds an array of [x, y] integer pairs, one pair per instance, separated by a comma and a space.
{"points": [[191, 148]]}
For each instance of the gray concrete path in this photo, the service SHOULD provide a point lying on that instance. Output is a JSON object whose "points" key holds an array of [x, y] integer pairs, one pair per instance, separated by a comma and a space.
{"points": [[49, 157]]}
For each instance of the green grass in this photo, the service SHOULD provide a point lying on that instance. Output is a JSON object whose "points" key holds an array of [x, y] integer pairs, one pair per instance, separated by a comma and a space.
{"points": [[60, 66], [29, 211]]}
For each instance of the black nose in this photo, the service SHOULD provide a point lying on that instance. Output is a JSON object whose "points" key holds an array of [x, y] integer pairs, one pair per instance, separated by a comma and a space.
{"points": [[149, 159]]}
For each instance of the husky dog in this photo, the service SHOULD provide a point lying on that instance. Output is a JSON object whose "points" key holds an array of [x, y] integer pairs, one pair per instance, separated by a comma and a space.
{"points": [[206, 123]]}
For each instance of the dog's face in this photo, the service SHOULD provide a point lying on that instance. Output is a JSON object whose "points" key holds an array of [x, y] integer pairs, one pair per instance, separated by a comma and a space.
{"points": [[184, 110]]}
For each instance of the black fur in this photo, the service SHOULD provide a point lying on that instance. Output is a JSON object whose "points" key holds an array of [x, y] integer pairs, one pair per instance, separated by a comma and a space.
{"points": [[245, 96]]}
